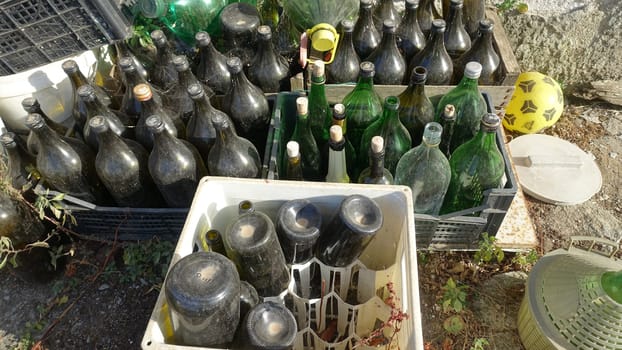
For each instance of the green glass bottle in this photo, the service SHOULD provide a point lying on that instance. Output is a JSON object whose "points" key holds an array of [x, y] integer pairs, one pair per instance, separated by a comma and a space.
{"points": [[476, 166], [376, 173], [337, 157], [320, 115], [469, 103], [448, 120], [339, 118], [416, 109], [309, 151], [396, 137], [612, 284], [363, 104], [426, 171]]}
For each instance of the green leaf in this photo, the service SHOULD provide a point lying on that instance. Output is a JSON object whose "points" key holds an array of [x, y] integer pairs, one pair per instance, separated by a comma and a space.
{"points": [[38, 244], [457, 306], [58, 197], [4, 261]]}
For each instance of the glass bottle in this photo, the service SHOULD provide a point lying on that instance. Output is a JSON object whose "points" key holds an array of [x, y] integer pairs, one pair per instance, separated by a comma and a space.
{"points": [[426, 15], [124, 51], [252, 243], [164, 75], [612, 284], [268, 69], [212, 242], [78, 79], [385, 10], [365, 35], [248, 299], [416, 109], [246, 104], [232, 155], [434, 57], [376, 173], [186, 77], [239, 21], [270, 326], [298, 226], [94, 107], [474, 12], [149, 107], [294, 162], [172, 165], [212, 68], [457, 40], [339, 118], [286, 36], [320, 115], [448, 120], [410, 38], [17, 221], [130, 106], [425, 170], [337, 157], [482, 52], [202, 291], [269, 12], [395, 135], [31, 105], [200, 131], [309, 150], [345, 65], [177, 96], [469, 104], [18, 162], [107, 73], [476, 167], [363, 105], [121, 165], [355, 224], [387, 59]]}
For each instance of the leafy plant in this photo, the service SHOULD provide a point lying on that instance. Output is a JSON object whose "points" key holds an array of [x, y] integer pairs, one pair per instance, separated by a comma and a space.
{"points": [[479, 344], [148, 260], [508, 5], [525, 260], [454, 324], [454, 296], [488, 250], [55, 205]]}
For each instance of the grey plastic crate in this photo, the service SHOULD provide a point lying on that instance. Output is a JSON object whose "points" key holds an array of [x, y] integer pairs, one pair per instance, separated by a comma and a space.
{"points": [[459, 230]]}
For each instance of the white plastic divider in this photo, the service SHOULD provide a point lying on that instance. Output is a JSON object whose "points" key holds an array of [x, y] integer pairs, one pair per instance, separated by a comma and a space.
{"points": [[390, 257]]}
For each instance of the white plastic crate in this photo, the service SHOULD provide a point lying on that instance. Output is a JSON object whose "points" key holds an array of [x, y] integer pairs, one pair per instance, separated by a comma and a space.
{"points": [[353, 296]]}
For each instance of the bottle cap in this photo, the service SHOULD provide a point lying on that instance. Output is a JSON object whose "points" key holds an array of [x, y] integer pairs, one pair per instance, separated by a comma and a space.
{"points": [[181, 63], [377, 144], [339, 111], [366, 4], [347, 26], [195, 90], [318, 68], [490, 122], [388, 26], [486, 25], [432, 133], [293, 149], [126, 64], [449, 112], [323, 39], [270, 324], [367, 69], [98, 124], [456, 4], [70, 66], [158, 38], [8, 139], [30, 104], [419, 75], [391, 103], [438, 25], [34, 121], [336, 133], [234, 64], [302, 105], [264, 32], [412, 4], [203, 39], [154, 123], [142, 92], [473, 70]]}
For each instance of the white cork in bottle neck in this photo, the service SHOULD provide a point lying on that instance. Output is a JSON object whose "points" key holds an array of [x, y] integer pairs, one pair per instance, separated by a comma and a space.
{"points": [[318, 68], [293, 149], [302, 105], [377, 144], [336, 133]]}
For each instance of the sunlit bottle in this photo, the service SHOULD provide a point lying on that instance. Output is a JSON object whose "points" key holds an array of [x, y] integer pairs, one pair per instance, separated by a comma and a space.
{"points": [[474, 12], [320, 115], [270, 326], [337, 170], [457, 40], [212, 67], [268, 69], [298, 225], [232, 155], [94, 107], [294, 162], [365, 36], [416, 109], [345, 65], [339, 118], [434, 57], [410, 38], [149, 107], [388, 61], [483, 52], [31, 105], [177, 96], [309, 150], [200, 131], [376, 173], [130, 106], [426, 15]]}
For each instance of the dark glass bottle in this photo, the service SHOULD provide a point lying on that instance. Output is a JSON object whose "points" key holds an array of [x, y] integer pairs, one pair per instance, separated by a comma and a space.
{"points": [[268, 69], [363, 105], [339, 118], [345, 65], [187, 78], [149, 107], [482, 52], [410, 38], [448, 120], [434, 57], [212, 68], [395, 135], [78, 79], [172, 165], [177, 96], [203, 293], [246, 104], [94, 107], [239, 22], [252, 243], [130, 106], [365, 36], [31, 105], [474, 12], [232, 155], [425, 170], [376, 173], [18, 162], [337, 169], [164, 76], [121, 165], [294, 162], [309, 150], [212, 242], [416, 109], [347, 235], [270, 326], [269, 12], [320, 115], [469, 104], [387, 59], [385, 10], [476, 166], [17, 221], [124, 51], [248, 299], [426, 15], [298, 226], [457, 40]]}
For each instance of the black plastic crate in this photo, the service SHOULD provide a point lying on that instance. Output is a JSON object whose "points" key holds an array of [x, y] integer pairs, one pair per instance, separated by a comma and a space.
{"points": [[36, 32]]}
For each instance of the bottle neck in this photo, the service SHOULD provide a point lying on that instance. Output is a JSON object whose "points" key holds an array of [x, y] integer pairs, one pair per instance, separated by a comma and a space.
{"points": [[485, 138], [108, 138], [133, 79], [376, 164], [150, 107], [483, 41], [77, 79], [46, 136], [225, 135], [388, 41], [410, 18], [95, 107], [455, 17], [203, 105], [366, 15], [165, 56], [438, 40], [347, 40], [266, 51], [186, 78], [342, 123], [318, 80], [239, 79], [337, 162], [468, 83], [365, 83]]}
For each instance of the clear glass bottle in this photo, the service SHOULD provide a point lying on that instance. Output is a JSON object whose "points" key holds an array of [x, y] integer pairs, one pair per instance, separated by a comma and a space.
{"points": [[469, 104], [200, 131], [425, 170], [320, 115], [95, 107], [395, 135], [18, 162], [294, 162], [212, 67], [345, 65], [164, 75], [232, 155], [268, 69], [339, 118], [365, 35], [376, 173], [270, 326], [298, 226], [476, 166], [416, 109], [172, 165], [410, 38], [31, 105], [149, 107], [386, 10], [482, 52], [448, 120], [434, 57], [457, 40], [309, 150], [388, 61], [337, 169]]}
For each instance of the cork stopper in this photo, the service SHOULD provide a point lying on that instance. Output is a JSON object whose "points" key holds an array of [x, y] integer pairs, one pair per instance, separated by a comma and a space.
{"points": [[203, 39], [142, 92], [449, 112], [234, 64], [302, 105], [181, 63], [98, 124], [293, 149], [339, 111], [195, 91], [264, 32], [473, 70], [347, 26], [70, 66], [377, 144], [336, 134], [318, 68]]}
